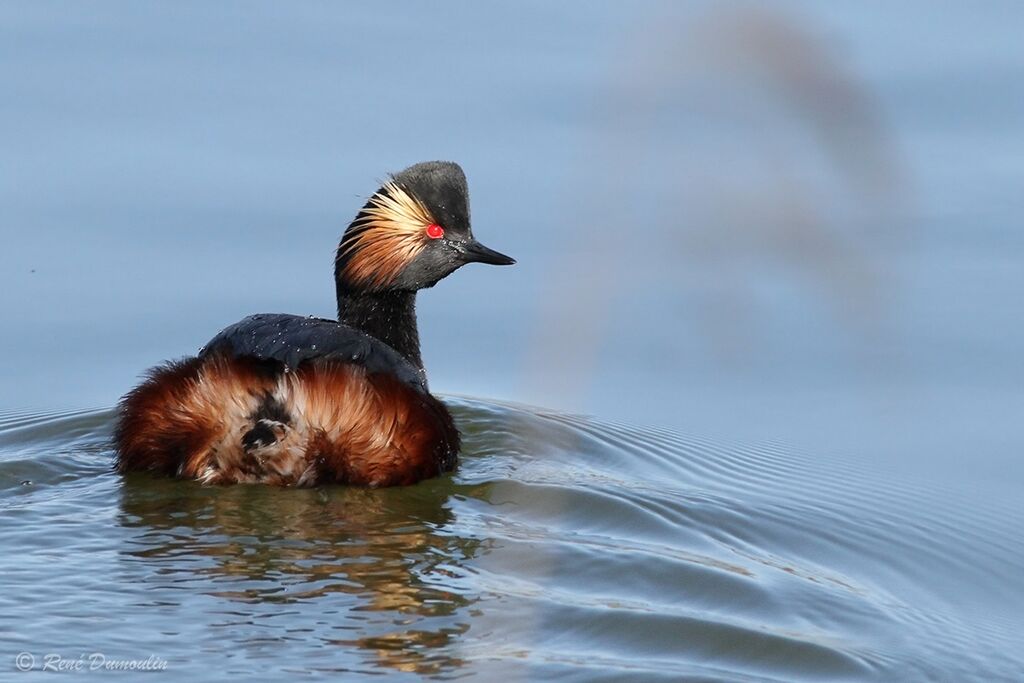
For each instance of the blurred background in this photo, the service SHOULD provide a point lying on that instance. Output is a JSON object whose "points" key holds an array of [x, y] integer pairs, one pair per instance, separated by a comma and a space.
{"points": [[784, 222]]}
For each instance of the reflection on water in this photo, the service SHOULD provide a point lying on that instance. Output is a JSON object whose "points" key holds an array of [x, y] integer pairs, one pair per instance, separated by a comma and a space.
{"points": [[561, 547], [388, 552], [779, 161]]}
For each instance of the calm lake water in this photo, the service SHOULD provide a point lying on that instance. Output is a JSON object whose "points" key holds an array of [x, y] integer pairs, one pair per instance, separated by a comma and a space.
{"points": [[563, 547], [772, 254]]}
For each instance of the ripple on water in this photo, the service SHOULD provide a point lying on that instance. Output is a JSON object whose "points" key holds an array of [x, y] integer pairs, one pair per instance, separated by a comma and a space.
{"points": [[562, 547]]}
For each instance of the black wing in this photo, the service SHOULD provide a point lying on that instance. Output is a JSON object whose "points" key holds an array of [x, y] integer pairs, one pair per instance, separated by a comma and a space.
{"points": [[292, 339]]}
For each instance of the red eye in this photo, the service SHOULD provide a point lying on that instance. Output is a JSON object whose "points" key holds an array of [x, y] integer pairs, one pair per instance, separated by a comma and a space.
{"points": [[435, 231]]}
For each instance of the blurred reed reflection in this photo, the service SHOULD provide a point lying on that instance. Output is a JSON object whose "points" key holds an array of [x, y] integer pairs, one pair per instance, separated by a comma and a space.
{"points": [[736, 158], [382, 561]]}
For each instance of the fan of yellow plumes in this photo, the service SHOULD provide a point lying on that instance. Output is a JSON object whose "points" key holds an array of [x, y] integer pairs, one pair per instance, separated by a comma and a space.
{"points": [[388, 235]]}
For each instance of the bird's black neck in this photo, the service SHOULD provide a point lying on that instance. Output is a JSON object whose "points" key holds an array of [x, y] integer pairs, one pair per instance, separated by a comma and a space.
{"points": [[389, 316]]}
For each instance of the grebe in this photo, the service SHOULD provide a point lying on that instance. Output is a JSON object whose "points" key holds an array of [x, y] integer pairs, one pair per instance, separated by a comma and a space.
{"points": [[301, 401]]}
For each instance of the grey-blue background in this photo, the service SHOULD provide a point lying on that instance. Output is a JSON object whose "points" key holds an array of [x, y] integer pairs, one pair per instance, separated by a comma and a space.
{"points": [[795, 221]]}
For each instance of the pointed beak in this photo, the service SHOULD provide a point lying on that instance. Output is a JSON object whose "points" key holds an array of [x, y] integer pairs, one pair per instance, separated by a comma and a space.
{"points": [[474, 252]]}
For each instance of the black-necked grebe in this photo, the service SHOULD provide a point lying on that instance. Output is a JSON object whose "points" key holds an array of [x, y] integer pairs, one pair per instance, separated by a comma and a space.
{"points": [[297, 401]]}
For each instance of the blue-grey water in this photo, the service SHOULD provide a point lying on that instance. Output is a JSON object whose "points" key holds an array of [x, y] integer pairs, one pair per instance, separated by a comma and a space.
{"points": [[770, 264], [562, 547]]}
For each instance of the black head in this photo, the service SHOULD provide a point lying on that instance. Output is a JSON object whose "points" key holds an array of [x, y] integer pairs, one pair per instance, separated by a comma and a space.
{"points": [[411, 233]]}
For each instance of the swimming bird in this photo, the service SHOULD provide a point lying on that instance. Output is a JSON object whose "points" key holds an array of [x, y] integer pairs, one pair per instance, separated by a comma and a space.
{"points": [[303, 401]]}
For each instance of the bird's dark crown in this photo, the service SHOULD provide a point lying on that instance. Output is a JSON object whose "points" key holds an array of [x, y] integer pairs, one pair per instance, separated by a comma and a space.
{"points": [[412, 232]]}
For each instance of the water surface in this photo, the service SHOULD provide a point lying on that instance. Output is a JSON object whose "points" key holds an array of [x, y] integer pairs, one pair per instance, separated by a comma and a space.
{"points": [[561, 547]]}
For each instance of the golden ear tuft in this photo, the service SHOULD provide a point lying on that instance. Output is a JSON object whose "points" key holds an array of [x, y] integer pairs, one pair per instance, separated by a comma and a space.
{"points": [[387, 236]]}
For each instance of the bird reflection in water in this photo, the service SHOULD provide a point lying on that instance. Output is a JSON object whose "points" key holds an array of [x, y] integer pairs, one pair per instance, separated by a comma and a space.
{"points": [[383, 563]]}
